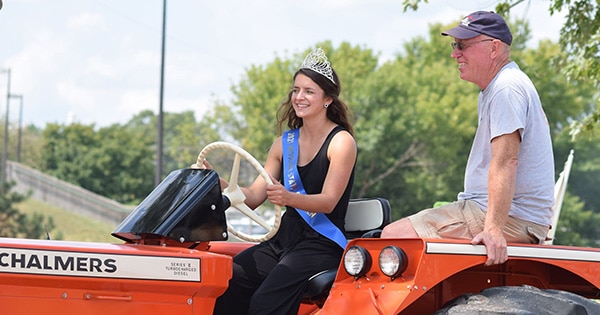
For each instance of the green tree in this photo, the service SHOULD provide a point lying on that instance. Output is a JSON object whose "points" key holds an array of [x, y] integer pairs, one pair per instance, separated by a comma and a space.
{"points": [[577, 226], [31, 143], [16, 224], [415, 118], [257, 97], [414, 123], [579, 39], [64, 151], [401, 118], [429, 114], [112, 161], [183, 136], [120, 165], [585, 172], [24, 143]]}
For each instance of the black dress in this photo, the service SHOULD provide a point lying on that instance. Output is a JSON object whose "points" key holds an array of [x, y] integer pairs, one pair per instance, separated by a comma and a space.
{"points": [[269, 278]]}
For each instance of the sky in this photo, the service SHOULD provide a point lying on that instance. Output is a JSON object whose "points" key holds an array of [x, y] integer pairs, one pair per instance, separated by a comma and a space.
{"points": [[98, 61]]}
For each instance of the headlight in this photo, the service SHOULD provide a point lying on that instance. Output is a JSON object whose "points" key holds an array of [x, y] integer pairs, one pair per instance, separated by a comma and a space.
{"points": [[392, 261], [357, 261]]}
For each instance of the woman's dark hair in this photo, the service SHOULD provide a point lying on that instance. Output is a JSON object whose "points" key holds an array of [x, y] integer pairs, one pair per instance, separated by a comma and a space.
{"points": [[337, 111]]}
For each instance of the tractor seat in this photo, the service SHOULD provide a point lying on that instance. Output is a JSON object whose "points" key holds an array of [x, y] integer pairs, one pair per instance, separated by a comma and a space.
{"points": [[365, 218]]}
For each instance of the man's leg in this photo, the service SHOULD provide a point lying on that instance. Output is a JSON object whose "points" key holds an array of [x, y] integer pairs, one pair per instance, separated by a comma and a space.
{"points": [[457, 220], [402, 228]]}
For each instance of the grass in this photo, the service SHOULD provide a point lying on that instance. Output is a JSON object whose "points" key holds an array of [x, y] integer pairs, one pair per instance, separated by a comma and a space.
{"points": [[70, 226]]}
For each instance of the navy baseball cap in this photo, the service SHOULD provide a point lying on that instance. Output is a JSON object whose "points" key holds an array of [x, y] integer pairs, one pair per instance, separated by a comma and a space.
{"points": [[481, 22]]}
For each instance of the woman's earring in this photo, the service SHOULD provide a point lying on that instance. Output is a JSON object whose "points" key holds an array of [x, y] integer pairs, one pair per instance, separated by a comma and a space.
{"points": [[325, 105]]}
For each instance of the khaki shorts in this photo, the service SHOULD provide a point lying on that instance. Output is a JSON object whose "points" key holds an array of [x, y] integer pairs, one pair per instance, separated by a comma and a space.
{"points": [[464, 219]]}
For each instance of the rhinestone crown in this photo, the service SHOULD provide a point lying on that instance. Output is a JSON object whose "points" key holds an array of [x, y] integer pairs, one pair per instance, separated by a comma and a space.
{"points": [[317, 61]]}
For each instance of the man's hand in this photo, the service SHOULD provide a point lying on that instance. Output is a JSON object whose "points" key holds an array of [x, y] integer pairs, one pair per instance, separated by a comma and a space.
{"points": [[495, 245]]}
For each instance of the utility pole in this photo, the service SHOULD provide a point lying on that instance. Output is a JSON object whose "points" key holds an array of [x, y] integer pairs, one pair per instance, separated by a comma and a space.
{"points": [[19, 139], [159, 141], [5, 143]]}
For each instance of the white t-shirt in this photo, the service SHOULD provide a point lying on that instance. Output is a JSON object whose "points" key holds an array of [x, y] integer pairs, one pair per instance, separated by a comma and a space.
{"points": [[509, 103]]}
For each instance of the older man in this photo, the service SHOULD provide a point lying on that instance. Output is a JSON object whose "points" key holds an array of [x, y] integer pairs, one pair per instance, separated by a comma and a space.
{"points": [[509, 179]]}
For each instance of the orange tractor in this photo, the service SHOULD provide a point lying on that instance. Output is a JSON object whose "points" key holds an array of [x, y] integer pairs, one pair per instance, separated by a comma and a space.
{"points": [[175, 259]]}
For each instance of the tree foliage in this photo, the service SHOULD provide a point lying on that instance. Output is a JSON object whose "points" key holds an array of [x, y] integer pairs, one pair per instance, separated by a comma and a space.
{"points": [[414, 117], [414, 123], [16, 224], [579, 39], [112, 161], [577, 226]]}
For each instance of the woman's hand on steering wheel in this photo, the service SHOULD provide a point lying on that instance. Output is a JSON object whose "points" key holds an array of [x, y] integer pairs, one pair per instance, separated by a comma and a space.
{"points": [[276, 193]]}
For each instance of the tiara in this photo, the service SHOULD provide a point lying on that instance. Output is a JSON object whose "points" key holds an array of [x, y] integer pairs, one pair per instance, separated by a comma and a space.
{"points": [[317, 61]]}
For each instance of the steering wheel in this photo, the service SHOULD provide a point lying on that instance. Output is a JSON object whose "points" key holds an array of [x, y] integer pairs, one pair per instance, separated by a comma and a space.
{"points": [[236, 196]]}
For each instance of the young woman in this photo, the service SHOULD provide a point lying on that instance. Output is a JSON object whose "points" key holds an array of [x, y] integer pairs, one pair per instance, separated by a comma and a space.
{"points": [[312, 167]]}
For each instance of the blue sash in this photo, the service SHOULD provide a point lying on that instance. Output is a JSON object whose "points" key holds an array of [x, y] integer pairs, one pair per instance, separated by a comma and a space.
{"points": [[292, 182]]}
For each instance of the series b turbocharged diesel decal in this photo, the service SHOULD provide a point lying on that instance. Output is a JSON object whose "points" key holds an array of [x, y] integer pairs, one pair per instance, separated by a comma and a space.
{"points": [[79, 264]]}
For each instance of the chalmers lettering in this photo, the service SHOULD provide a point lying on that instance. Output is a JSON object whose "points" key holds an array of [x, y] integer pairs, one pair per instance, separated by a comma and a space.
{"points": [[20, 260], [82, 264], [3, 263], [61, 264], [110, 265], [34, 262], [57, 262], [47, 263], [95, 264]]}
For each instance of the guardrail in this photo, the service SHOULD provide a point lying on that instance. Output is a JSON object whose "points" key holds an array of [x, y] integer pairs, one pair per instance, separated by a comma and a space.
{"points": [[65, 195]]}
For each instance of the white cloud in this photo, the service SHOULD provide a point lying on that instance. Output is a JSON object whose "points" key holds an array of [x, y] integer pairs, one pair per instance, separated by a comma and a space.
{"points": [[100, 60], [86, 21]]}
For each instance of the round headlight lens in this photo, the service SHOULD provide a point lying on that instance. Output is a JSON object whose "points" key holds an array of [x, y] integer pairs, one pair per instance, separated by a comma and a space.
{"points": [[392, 261], [357, 261]]}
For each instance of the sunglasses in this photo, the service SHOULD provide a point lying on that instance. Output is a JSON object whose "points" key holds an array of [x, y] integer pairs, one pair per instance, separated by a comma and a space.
{"points": [[462, 46]]}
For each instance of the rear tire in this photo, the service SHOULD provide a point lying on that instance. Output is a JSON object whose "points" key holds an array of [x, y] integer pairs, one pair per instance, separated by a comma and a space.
{"points": [[520, 300]]}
